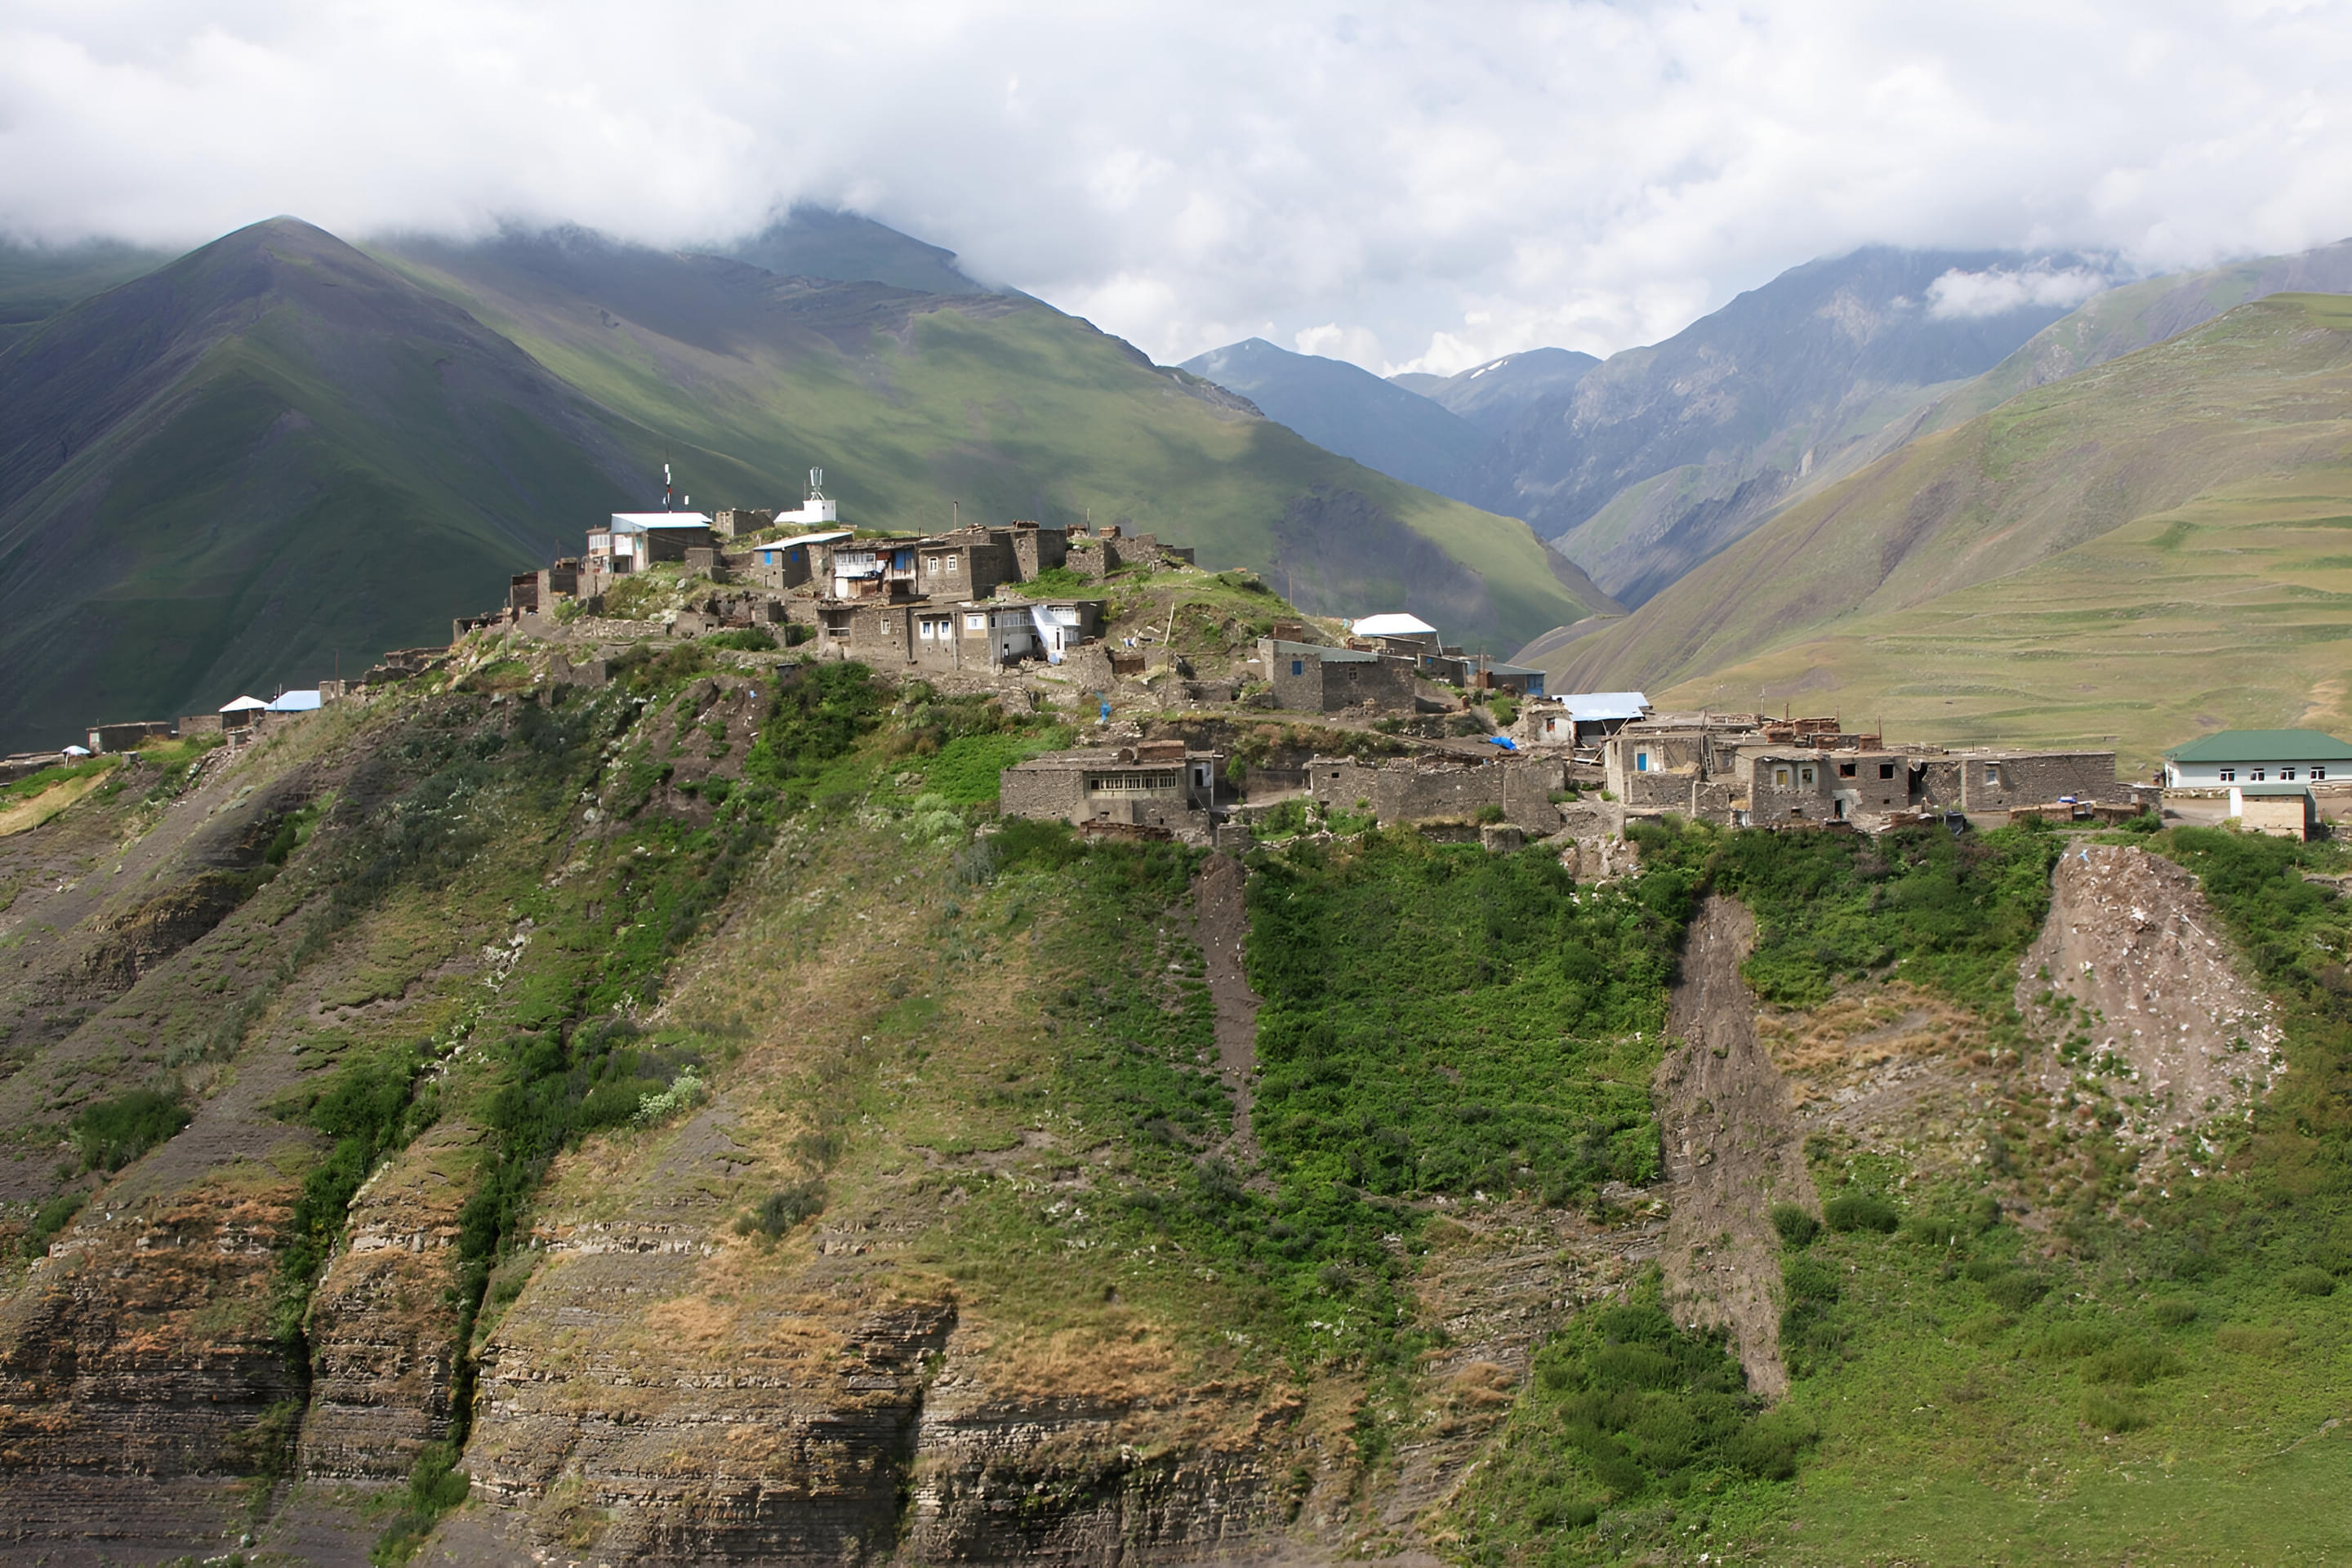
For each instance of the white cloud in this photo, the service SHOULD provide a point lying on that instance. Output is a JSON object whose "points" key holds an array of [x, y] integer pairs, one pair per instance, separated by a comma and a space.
{"points": [[1959, 295], [1440, 184]]}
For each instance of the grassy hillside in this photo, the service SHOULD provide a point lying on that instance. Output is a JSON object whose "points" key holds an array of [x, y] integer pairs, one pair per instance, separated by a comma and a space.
{"points": [[2124, 319], [2148, 549], [911, 402], [493, 1107], [268, 456], [278, 453]]}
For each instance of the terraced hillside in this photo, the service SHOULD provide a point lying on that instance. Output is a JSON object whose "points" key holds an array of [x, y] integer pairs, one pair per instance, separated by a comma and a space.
{"points": [[501, 1120], [2145, 550]]}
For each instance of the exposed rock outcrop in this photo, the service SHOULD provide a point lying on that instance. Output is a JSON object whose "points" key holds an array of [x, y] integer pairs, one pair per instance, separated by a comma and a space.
{"points": [[1732, 1147], [2133, 979]]}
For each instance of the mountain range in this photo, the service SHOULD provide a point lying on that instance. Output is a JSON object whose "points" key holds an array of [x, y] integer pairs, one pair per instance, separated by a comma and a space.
{"points": [[281, 454], [2149, 548]]}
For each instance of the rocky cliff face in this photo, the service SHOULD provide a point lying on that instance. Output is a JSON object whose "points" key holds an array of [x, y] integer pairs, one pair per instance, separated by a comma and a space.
{"points": [[2134, 979]]}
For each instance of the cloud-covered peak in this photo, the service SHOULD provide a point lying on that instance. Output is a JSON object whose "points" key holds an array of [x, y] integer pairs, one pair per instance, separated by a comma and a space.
{"points": [[1408, 187]]}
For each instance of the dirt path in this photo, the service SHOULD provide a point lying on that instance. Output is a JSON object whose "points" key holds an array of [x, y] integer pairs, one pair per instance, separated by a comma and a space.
{"points": [[1732, 1147], [1221, 916]]}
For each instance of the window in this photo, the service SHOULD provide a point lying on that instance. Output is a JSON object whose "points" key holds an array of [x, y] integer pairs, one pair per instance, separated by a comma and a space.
{"points": [[1297, 667], [2287, 773], [2317, 773], [1993, 774], [1132, 783], [1886, 769], [2257, 775], [2229, 776], [1845, 770], [1805, 774], [975, 623], [1780, 776]]}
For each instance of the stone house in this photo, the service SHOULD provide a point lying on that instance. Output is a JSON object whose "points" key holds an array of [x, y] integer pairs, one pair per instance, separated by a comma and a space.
{"points": [[1580, 718], [789, 563], [1744, 770], [535, 593], [632, 540], [734, 522], [1155, 783], [975, 635], [1307, 679], [1999, 779], [125, 737]]}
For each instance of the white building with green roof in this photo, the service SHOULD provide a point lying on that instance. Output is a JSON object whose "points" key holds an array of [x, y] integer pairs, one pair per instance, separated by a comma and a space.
{"points": [[2230, 757]]}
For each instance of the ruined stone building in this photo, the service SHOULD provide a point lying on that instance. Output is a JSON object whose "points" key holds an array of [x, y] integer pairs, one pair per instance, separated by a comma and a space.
{"points": [[1154, 784], [1746, 770]]}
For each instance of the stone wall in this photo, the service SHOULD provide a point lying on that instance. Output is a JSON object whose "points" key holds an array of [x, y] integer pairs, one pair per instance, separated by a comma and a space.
{"points": [[1052, 795], [1408, 790]]}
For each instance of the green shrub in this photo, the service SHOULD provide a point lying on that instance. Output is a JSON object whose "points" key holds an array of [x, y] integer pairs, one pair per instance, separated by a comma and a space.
{"points": [[2245, 1339], [1797, 1227], [783, 1211], [2111, 1411], [2015, 1290], [1489, 814], [2071, 1342], [2308, 1280], [1623, 1406], [1859, 1211], [111, 1134], [435, 1486], [743, 639], [2173, 1312], [2132, 1364], [51, 1218]]}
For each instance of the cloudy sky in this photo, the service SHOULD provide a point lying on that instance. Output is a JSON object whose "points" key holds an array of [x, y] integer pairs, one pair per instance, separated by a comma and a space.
{"points": [[1408, 187]]}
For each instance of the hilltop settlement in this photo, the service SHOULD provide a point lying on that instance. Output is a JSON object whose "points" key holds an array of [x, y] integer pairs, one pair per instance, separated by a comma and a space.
{"points": [[1206, 709]]}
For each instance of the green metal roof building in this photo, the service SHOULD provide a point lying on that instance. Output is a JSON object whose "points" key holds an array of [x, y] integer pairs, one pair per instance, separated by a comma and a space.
{"points": [[2257, 756]]}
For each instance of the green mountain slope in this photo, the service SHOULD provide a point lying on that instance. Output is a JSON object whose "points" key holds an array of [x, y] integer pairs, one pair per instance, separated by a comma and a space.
{"points": [[2125, 320], [1345, 409], [916, 406], [2149, 548], [268, 457], [812, 242], [280, 454], [38, 281]]}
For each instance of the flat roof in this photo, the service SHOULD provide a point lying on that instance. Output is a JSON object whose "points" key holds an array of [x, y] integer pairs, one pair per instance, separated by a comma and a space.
{"points": [[636, 521], [1317, 650], [2262, 746], [2269, 789], [1394, 625], [1062, 761], [1500, 667], [1603, 704], [825, 538]]}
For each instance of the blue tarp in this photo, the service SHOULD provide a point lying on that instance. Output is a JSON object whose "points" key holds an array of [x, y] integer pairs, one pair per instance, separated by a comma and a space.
{"points": [[1503, 740]]}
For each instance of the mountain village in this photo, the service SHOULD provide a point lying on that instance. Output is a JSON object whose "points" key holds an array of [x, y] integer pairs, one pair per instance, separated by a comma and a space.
{"points": [[1284, 723]]}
